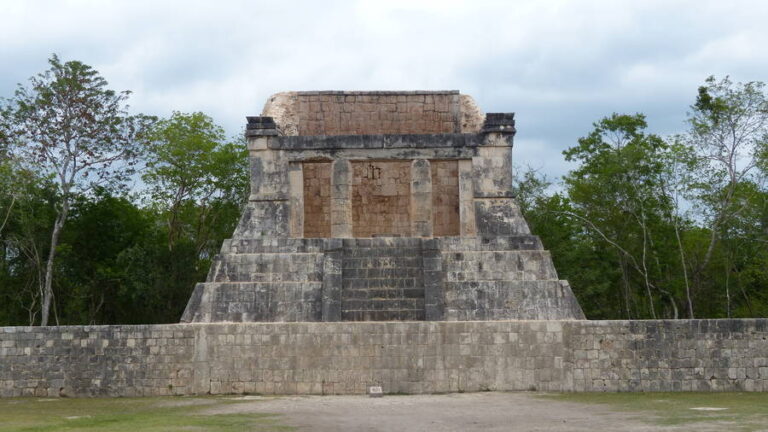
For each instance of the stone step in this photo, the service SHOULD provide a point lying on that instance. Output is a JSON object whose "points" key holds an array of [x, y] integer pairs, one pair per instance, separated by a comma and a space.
{"points": [[498, 265], [378, 242], [238, 273], [501, 243], [390, 315], [268, 256], [258, 267], [382, 304], [382, 252], [254, 301], [382, 262], [282, 245], [390, 273], [381, 283], [382, 293]]}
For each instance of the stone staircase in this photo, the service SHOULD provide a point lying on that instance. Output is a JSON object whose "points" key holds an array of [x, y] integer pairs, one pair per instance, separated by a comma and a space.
{"points": [[382, 280]]}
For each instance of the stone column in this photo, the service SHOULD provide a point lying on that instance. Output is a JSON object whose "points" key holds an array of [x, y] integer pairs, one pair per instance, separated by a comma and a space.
{"points": [[332, 280], [267, 211], [467, 226], [496, 212], [421, 198], [341, 198], [296, 185]]}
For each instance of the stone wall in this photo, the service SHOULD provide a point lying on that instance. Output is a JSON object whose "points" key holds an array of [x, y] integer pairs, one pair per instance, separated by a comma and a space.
{"points": [[262, 280], [317, 199], [319, 113], [407, 357], [381, 198], [445, 197]]}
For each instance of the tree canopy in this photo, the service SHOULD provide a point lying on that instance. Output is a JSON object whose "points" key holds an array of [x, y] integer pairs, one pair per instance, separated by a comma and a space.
{"points": [[643, 226], [68, 127], [652, 227]]}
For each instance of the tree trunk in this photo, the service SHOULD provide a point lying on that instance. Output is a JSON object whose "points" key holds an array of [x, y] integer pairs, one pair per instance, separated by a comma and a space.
{"points": [[48, 286], [685, 271], [625, 283], [727, 290]]}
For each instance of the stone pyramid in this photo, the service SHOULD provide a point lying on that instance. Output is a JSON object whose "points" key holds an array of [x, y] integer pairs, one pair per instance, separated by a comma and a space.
{"points": [[378, 206]]}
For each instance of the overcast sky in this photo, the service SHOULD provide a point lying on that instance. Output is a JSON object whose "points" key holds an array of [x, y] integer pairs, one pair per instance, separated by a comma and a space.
{"points": [[560, 65]]}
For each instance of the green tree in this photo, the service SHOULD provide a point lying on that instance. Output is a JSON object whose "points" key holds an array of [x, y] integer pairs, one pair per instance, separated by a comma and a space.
{"points": [[91, 283], [69, 126], [729, 133], [195, 177], [617, 194], [27, 213]]}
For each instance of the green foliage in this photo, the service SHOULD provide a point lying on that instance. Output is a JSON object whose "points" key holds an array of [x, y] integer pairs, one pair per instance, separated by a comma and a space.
{"points": [[646, 227], [69, 127], [26, 214], [68, 149], [195, 177], [642, 227], [618, 194]]}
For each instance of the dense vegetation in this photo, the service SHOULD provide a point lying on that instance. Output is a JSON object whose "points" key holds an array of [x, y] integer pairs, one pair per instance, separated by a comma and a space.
{"points": [[107, 217], [135, 206], [647, 227]]}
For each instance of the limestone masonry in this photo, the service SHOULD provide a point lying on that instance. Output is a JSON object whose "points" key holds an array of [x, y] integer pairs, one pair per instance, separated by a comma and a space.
{"points": [[377, 206], [401, 357]]}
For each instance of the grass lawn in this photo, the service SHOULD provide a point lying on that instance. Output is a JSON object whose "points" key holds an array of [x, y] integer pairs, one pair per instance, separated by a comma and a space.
{"points": [[734, 411], [129, 414]]}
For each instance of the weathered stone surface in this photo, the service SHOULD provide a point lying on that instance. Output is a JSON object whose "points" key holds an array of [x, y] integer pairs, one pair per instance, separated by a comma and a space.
{"points": [[471, 115], [450, 278], [422, 181], [401, 357], [373, 112]]}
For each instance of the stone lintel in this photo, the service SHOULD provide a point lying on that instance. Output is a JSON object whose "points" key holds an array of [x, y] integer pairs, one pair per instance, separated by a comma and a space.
{"points": [[394, 141], [393, 154]]}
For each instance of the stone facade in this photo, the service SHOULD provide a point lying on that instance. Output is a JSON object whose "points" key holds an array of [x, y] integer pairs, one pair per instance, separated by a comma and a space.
{"points": [[381, 199], [317, 192], [373, 112], [445, 198], [402, 357], [381, 206]]}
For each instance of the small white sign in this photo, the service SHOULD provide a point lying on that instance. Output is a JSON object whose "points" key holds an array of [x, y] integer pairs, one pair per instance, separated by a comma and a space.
{"points": [[375, 391]]}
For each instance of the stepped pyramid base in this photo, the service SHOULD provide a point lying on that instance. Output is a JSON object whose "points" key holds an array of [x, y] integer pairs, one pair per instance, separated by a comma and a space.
{"points": [[381, 206], [383, 279]]}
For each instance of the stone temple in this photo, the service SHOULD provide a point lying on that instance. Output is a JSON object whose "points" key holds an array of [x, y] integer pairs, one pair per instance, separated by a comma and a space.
{"points": [[379, 206]]}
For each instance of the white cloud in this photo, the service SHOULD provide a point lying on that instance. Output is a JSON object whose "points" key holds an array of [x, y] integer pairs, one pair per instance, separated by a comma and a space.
{"points": [[561, 65]]}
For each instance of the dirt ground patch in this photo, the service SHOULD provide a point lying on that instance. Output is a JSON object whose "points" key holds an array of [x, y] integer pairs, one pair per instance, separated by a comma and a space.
{"points": [[448, 413], [524, 411]]}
